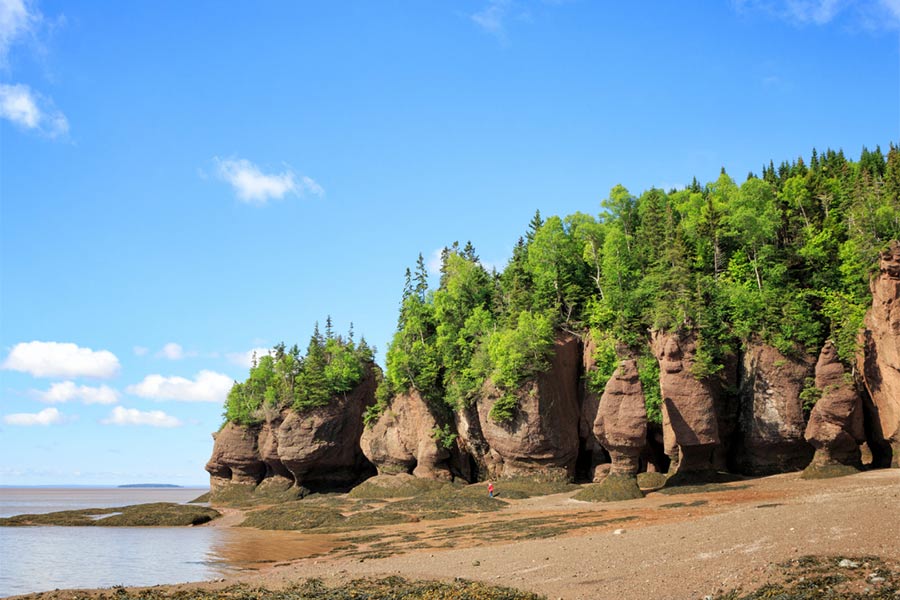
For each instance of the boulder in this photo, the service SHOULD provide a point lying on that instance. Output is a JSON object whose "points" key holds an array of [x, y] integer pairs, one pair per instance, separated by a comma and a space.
{"points": [[879, 362], [771, 422], [542, 437], [315, 449], [402, 440], [835, 426], [690, 422]]}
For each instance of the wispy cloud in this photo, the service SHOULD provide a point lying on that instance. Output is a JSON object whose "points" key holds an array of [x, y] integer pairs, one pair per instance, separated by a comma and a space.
{"points": [[133, 416], [207, 386], [245, 359], [59, 359], [140, 350], [17, 20], [48, 416], [67, 391], [31, 111], [174, 351], [433, 264], [253, 186], [873, 14], [492, 18]]}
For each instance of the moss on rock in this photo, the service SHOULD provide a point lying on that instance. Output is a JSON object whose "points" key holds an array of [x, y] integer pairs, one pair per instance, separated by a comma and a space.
{"points": [[614, 488]]}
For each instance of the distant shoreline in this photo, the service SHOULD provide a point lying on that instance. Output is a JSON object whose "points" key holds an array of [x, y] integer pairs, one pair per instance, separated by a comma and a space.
{"points": [[150, 485], [52, 486]]}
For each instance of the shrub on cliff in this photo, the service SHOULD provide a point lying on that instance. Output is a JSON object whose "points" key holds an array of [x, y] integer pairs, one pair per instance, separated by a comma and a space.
{"points": [[283, 378]]}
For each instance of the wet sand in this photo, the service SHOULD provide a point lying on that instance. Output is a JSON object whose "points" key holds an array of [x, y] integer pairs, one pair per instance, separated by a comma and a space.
{"points": [[663, 546]]}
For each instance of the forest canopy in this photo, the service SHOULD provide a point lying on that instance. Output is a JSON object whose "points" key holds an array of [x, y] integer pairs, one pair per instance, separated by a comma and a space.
{"points": [[784, 258], [332, 365]]}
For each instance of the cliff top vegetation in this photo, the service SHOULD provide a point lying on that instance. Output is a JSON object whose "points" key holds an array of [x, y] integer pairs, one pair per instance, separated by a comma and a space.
{"points": [[283, 378], [783, 258]]}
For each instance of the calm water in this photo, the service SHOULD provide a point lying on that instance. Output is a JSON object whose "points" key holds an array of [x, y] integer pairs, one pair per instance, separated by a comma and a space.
{"points": [[44, 558]]}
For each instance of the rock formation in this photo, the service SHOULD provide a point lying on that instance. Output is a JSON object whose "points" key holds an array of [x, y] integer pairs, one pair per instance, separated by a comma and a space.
{"points": [[235, 457], [835, 426], [402, 440], [621, 427], [771, 421], [621, 424], [542, 438], [315, 449], [879, 362], [690, 423], [590, 403]]}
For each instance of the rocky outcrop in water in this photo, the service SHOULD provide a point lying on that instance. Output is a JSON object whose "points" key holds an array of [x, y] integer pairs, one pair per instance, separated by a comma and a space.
{"points": [[879, 362], [404, 440], [835, 426], [314, 449], [690, 422], [771, 421]]}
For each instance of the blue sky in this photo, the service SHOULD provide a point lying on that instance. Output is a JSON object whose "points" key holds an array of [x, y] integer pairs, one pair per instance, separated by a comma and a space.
{"points": [[183, 182]]}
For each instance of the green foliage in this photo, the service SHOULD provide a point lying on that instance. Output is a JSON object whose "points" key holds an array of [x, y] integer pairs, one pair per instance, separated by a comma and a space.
{"points": [[784, 258], [648, 373], [283, 378], [605, 361], [521, 352], [444, 436], [504, 408], [810, 394]]}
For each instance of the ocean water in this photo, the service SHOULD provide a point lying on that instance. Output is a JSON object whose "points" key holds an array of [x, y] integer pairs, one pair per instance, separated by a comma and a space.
{"points": [[36, 559]]}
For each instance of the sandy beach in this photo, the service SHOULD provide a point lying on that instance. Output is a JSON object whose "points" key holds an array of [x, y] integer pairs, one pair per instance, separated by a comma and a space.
{"points": [[668, 545]]}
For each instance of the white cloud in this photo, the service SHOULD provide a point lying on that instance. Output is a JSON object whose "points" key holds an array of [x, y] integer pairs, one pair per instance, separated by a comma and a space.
{"points": [[245, 359], [57, 359], [207, 386], [253, 186], [140, 350], [133, 416], [48, 416], [67, 391], [493, 16], [30, 110], [433, 264], [173, 351], [814, 11], [877, 14], [16, 21]]}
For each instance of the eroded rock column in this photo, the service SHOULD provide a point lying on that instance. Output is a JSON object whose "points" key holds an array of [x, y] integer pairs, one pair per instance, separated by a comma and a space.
{"points": [[879, 362], [621, 427], [835, 426]]}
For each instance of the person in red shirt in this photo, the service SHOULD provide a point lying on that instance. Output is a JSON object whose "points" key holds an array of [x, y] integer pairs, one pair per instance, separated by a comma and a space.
{"points": [[490, 489]]}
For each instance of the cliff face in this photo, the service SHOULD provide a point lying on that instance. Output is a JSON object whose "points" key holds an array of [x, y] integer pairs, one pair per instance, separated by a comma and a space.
{"points": [[771, 420], [542, 438], [879, 362], [316, 449], [690, 421], [403, 440], [752, 415]]}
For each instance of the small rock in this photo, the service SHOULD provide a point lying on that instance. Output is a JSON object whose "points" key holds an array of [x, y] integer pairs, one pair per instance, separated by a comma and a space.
{"points": [[848, 564], [876, 580], [476, 563], [618, 532]]}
